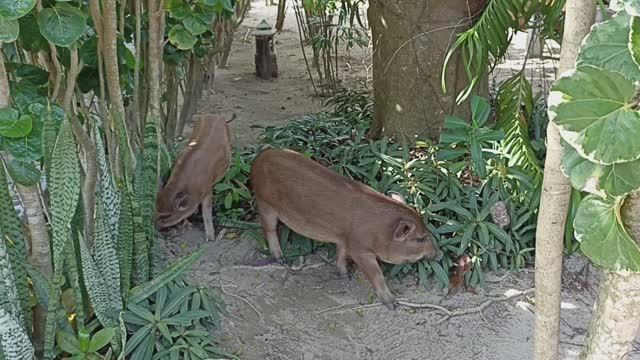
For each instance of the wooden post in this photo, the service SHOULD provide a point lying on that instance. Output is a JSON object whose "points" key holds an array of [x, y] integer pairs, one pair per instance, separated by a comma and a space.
{"points": [[263, 57]]}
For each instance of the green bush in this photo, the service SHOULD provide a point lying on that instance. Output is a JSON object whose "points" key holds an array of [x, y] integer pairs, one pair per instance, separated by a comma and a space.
{"points": [[455, 185]]}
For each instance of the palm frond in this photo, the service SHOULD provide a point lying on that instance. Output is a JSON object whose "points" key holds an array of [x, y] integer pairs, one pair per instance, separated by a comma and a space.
{"points": [[488, 40], [514, 108]]}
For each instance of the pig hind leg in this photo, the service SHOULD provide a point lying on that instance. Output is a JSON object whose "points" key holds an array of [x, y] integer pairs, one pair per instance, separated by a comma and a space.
{"points": [[368, 264], [207, 216], [269, 220]]}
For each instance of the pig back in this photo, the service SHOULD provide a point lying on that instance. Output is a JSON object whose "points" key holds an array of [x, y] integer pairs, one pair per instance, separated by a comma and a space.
{"points": [[310, 198]]}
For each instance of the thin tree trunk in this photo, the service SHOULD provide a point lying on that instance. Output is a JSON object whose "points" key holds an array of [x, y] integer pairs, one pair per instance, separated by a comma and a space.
{"points": [[229, 31], [616, 314], [554, 203], [282, 7], [37, 225], [154, 57]]}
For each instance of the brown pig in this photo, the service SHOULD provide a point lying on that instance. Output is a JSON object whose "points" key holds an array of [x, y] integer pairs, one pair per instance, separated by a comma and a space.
{"points": [[322, 205], [202, 163]]}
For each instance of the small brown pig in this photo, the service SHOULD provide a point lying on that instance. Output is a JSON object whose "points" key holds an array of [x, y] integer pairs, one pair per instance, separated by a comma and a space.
{"points": [[202, 163], [320, 204]]}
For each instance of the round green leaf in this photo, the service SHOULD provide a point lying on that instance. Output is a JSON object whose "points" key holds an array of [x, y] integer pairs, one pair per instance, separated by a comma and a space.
{"points": [[62, 25], [28, 148], [615, 179], [18, 128], [30, 37], [24, 173], [194, 25], [14, 9], [593, 109], [8, 114], [181, 38], [9, 30], [33, 74], [607, 47], [602, 236]]}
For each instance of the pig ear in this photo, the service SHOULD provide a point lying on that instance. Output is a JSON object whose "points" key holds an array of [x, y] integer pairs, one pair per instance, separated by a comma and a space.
{"points": [[397, 197], [403, 229], [181, 201]]}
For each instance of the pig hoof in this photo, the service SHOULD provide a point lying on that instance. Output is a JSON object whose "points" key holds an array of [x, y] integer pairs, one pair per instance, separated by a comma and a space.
{"points": [[281, 261], [345, 275], [265, 261], [391, 305]]}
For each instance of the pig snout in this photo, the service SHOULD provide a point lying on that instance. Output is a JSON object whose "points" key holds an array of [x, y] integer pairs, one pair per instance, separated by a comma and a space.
{"points": [[433, 252]]}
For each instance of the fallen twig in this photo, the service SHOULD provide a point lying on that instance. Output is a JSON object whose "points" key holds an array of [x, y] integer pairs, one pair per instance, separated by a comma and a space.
{"points": [[447, 313], [274, 267], [243, 299]]}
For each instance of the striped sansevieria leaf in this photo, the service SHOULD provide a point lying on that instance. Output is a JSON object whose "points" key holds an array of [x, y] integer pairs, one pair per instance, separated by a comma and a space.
{"points": [[125, 241], [14, 342], [105, 254], [64, 189], [9, 301], [11, 230], [107, 188]]}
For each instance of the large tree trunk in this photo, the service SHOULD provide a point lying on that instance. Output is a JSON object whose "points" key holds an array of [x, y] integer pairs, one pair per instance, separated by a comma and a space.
{"points": [[554, 203], [410, 42], [614, 324]]}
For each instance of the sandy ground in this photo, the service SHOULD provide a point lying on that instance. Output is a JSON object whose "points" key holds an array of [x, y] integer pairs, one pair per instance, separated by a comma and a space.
{"points": [[310, 314]]}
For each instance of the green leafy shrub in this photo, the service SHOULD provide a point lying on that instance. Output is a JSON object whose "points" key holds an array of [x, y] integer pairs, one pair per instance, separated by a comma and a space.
{"points": [[175, 322]]}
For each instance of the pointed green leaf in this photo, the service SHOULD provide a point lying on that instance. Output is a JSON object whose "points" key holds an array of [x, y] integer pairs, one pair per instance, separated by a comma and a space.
{"points": [[101, 339], [480, 110], [143, 291], [603, 238], [67, 342]]}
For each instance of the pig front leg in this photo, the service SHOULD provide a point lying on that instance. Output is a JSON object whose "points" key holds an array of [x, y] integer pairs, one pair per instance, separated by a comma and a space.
{"points": [[269, 220], [368, 264], [207, 216], [341, 262]]}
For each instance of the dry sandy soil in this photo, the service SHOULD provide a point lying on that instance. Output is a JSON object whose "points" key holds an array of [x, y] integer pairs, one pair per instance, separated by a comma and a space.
{"points": [[278, 313]]}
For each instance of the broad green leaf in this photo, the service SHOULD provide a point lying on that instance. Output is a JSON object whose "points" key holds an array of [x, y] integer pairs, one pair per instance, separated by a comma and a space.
{"points": [[615, 179], [16, 128], [30, 37], [14, 9], [8, 117], [632, 7], [602, 236], [181, 38], [33, 74], [67, 342], [62, 25], [595, 114], [194, 25], [607, 47], [24, 173], [145, 290], [9, 30]]}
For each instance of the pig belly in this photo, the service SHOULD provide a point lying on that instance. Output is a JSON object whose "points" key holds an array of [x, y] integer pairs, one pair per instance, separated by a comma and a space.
{"points": [[312, 227]]}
